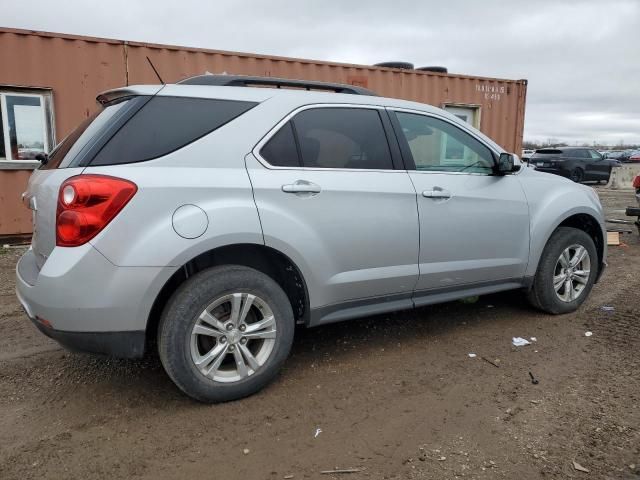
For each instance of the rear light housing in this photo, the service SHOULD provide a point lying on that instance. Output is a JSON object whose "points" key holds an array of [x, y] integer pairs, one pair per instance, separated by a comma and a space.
{"points": [[636, 182], [86, 204]]}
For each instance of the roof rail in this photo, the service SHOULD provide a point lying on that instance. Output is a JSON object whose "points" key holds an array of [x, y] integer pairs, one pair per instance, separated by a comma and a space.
{"points": [[247, 81]]}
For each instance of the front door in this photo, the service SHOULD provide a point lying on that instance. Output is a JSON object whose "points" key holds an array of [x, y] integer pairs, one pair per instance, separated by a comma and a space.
{"points": [[474, 226], [330, 198], [598, 167]]}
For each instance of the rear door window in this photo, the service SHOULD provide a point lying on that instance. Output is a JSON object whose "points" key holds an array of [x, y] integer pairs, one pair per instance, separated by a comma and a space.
{"points": [[165, 124], [281, 149], [337, 138], [578, 153], [351, 138]]}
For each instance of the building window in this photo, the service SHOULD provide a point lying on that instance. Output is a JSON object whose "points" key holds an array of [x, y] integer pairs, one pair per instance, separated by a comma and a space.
{"points": [[26, 127]]}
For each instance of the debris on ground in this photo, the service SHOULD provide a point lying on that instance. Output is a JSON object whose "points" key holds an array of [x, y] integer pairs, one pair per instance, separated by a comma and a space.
{"points": [[607, 308], [246, 451], [534, 380], [520, 342], [613, 238], [588, 334], [341, 470], [580, 468], [472, 355], [534, 339], [287, 477], [494, 363], [318, 432]]}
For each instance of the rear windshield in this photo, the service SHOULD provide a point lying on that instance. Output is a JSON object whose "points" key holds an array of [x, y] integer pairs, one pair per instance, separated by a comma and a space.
{"points": [[547, 152], [165, 124], [67, 150]]}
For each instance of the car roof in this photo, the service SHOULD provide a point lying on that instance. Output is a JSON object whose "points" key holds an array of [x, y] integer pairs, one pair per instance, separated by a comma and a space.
{"points": [[298, 97]]}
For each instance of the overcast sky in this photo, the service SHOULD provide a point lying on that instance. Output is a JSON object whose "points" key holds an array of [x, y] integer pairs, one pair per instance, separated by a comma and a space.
{"points": [[582, 57]]}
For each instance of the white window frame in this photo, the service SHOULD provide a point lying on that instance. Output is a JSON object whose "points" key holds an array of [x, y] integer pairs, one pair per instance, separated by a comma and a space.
{"points": [[46, 102]]}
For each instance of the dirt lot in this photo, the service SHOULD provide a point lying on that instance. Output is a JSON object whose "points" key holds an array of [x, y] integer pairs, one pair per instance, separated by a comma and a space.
{"points": [[396, 396]]}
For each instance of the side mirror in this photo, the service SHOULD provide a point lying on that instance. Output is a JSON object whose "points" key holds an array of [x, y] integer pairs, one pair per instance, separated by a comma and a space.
{"points": [[42, 158], [505, 164]]}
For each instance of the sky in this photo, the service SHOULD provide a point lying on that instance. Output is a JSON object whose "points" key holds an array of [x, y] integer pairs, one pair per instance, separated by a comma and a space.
{"points": [[581, 57]]}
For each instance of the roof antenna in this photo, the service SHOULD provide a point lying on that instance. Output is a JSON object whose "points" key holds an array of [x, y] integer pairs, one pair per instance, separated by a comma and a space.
{"points": [[156, 71]]}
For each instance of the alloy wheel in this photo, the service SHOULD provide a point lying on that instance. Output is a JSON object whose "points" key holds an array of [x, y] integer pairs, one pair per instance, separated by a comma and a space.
{"points": [[571, 274], [233, 337]]}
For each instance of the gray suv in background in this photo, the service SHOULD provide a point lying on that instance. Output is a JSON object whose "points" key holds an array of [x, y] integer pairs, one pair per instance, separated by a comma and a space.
{"points": [[210, 218]]}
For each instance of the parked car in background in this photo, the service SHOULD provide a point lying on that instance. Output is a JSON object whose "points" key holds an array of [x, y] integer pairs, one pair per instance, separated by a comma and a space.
{"points": [[526, 154], [215, 218], [615, 155], [634, 157], [579, 164]]}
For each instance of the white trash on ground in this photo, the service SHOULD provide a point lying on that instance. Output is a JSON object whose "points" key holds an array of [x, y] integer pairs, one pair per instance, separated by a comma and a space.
{"points": [[588, 334], [520, 342]]}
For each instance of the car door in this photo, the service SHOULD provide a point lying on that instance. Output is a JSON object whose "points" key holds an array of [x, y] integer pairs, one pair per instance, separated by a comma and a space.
{"points": [[599, 167], [474, 226], [330, 197]]}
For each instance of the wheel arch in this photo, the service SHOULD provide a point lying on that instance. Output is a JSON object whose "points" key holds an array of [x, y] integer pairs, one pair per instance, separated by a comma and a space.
{"points": [[581, 220], [266, 259]]}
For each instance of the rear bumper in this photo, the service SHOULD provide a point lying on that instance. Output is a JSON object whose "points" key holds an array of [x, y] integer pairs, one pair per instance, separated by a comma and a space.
{"points": [[115, 344], [87, 303]]}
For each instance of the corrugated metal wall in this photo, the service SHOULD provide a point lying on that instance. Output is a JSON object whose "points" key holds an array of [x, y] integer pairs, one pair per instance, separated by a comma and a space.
{"points": [[78, 68]]}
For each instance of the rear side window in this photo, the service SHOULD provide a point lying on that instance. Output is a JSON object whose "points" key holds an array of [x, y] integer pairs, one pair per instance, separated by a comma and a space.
{"points": [[281, 150], [342, 138], [166, 124]]}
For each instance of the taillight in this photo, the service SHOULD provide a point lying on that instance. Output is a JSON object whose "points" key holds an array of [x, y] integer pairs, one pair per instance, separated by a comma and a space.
{"points": [[636, 182], [86, 204]]}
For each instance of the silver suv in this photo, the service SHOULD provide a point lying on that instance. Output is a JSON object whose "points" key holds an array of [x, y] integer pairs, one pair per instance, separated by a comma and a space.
{"points": [[212, 218]]}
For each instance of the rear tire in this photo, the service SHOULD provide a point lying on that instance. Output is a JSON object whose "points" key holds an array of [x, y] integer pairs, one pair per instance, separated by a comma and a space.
{"points": [[551, 291], [225, 333], [577, 175]]}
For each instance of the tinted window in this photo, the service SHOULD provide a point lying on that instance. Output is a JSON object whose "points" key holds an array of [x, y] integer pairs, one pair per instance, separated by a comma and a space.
{"points": [[595, 155], [577, 153], [437, 145], [281, 149], [548, 152], [342, 138], [166, 124], [67, 150]]}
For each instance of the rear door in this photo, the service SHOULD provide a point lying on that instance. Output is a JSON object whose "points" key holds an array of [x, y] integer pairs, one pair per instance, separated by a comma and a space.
{"points": [[474, 226], [330, 196]]}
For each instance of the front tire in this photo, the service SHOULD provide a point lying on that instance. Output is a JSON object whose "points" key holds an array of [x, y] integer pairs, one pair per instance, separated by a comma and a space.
{"points": [[566, 272], [225, 333]]}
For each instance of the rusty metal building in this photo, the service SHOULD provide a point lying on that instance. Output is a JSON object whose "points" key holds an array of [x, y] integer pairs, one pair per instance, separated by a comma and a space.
{"points": [[49, 81]]}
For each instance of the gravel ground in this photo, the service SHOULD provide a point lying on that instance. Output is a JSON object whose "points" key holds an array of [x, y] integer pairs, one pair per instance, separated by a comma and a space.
{"points": [[394, 396]]}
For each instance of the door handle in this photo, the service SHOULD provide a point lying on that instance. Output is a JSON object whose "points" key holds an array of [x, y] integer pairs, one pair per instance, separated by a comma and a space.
{"points": [[301, 186], [436, 193]]}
